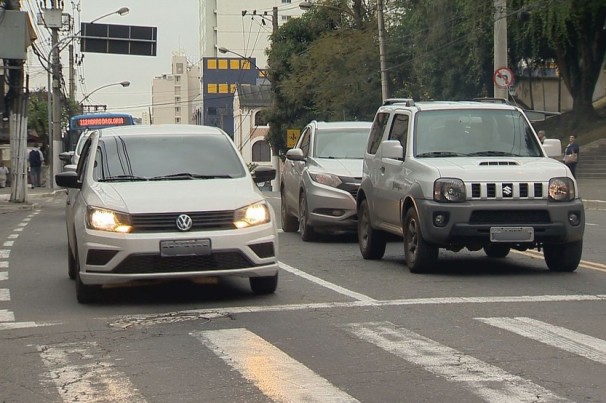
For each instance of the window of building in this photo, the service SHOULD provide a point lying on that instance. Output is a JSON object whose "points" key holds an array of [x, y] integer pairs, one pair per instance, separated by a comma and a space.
{"points": [[286, 17], [177, 100], [179, 68], [259, 119], [177, 120], [212, 110], [177, 110], [177, 79], [178, 89], [286, 1], [261, 152]]}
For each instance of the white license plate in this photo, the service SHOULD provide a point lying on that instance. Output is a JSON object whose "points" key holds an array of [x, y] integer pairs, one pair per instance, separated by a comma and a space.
{"points": [[511, 234], [185, 247]]}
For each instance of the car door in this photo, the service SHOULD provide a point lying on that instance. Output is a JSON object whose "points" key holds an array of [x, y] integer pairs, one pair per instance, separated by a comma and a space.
{"points": [[392, 172], [293, 171], [73, 195]]}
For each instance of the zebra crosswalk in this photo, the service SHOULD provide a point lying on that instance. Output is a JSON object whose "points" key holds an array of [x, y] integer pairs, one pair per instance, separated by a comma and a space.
{"points": [[85, 372]]}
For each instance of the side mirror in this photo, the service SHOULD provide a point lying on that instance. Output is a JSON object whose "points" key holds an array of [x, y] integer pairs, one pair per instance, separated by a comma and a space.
{"points": [[263, 174], [553, 148], [295, 154], [68, 179], [66, 156], [391, 149]]}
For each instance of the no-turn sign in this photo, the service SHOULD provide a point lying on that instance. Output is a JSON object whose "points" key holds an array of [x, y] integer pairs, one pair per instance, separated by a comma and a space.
{"points": [[503, 77]]}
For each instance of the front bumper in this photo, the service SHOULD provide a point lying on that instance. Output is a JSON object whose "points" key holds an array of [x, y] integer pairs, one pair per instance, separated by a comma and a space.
{"points": [[331, 207]]}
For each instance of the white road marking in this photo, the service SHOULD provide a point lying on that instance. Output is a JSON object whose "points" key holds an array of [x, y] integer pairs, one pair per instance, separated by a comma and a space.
{"points": [[329, 285], [127, 321], [22, 325], [5, 253], [490, 383], [3, 275], [5, 294], [13, 236], [584, 263], [20, 229], [6, 316], [8, 243], [555, 336], [22, 224], [82, 373], [276, 374], [3, 265]]}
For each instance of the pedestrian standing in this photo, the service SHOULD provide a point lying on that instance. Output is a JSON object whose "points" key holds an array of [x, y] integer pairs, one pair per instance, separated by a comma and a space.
{"points": [[3, 175], [36, 158], [571, 154], [541, 135]]}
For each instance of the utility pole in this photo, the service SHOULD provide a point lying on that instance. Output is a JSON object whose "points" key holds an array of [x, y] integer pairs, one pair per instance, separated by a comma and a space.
{"points": [[500, 43], [275, 158], [55, 138], [382, 62]]}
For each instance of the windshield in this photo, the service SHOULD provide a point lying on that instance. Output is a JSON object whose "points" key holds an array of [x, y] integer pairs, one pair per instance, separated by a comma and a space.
{"points": [[341, 143], [166, 157], [474, 132]]}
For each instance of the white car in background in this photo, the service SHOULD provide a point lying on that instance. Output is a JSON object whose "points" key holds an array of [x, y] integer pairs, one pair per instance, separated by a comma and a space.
{"points": [[321, 178], [166, 202]]}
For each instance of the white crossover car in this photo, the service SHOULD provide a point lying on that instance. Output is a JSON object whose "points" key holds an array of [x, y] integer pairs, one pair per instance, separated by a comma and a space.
{"points": [[166, 202]]}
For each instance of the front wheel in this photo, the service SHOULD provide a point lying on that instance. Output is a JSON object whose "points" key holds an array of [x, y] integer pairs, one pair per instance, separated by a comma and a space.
{"points": [[71, 263], [563, 257], [420, 255], [264, 285], [372, 242], [289, 223], [308, 232]]}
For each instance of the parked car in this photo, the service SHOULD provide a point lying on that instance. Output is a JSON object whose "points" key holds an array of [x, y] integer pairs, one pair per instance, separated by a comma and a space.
{"points": [[166, 202], [321, 178], [471, 175]]}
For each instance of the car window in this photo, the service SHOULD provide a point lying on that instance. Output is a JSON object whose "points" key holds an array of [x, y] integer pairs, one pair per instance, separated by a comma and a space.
{"points": [[304, 144], [158, 157], [399, 129], [376, 132], [341, 143], [81, 167]]}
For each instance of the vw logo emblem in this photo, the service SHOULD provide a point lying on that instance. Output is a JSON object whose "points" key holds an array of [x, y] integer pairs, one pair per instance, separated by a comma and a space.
{"points": [[507, 190], [184, 222]]}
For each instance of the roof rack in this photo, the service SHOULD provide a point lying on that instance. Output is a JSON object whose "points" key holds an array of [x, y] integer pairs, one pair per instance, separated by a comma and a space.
{"points": [[407, 101], [493, 100]]}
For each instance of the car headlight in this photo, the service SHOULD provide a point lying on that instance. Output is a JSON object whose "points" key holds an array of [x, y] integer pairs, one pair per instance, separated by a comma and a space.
{"points": [[255, 214], [450, 190], [107, 220], [561, 189], [326, 179]]}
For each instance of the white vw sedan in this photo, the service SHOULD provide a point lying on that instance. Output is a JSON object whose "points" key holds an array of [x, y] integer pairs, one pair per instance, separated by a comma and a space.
{"points": [[166, 202]]}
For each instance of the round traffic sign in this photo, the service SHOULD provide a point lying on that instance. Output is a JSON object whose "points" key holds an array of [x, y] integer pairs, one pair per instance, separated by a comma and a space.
{"points": [[503, 77]]}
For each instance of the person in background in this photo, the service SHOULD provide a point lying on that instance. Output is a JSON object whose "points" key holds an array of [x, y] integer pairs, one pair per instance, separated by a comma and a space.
{"points": [[571, 154], [35, 158], [3, 175], [541, 135]]}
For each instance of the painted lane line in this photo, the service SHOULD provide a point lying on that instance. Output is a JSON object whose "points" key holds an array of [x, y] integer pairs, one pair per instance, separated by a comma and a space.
{"points": [[8, 243], [3, 275], [26, 325], [490, 383], [3, 265], [13, 236], [555, 336], [18, 229], [22, 224], [274, 373], [82, 373], [326, 284], [5, 294], [584, 263], [6, 316], [5, 253], [127, 321]]}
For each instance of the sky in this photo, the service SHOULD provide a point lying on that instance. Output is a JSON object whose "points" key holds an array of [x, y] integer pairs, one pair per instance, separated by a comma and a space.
{"points": [[178, 32]]}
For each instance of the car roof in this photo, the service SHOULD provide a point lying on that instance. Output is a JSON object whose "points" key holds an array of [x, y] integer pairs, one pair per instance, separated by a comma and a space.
{"points": [[446, 105], [161, 129], [342, 124]]}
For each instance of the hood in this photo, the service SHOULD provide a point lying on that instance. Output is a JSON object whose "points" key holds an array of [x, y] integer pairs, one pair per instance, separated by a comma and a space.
{"points": [[526, 169], [340, 167], [174, 196]]}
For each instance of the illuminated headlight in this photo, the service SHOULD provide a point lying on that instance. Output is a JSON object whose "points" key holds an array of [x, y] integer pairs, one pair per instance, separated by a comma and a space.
{"points": [[561, 189], [248, 216], [107, 220], [449, 190], [326, 179]]}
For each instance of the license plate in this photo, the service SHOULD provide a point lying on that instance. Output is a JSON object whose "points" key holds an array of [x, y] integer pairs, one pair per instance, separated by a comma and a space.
{"points": [[511, 234], [185, 247]]}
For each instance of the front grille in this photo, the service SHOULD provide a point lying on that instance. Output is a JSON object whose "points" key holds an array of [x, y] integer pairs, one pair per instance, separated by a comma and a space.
{"points": [[140, 264], [350, 185], [167, 222], [509, 217], [506, 190]]}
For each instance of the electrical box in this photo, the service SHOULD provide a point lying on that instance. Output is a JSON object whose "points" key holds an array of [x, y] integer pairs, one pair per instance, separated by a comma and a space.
{"points": [[52, 17], [17, 34]]}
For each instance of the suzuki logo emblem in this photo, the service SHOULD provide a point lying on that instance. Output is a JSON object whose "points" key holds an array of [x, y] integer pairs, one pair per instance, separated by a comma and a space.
{"points": [[184, 222], [507, 190]]}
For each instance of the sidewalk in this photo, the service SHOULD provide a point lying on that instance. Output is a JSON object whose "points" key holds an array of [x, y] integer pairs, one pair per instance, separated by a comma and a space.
{"points": [[592, 191]]}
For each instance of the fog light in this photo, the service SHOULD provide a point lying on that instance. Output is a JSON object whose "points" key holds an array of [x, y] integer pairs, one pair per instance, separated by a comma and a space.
{"points": [[338, 213], [440, 219], [574, 219]]}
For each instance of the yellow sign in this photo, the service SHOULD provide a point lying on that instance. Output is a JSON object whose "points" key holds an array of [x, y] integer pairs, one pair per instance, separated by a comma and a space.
{"points": [[292, 136]]}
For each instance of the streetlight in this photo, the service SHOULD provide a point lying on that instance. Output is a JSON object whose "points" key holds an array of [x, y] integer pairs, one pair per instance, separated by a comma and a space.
{"points": [[122, 83], [306, 5], [262, 73], [54, 120]]}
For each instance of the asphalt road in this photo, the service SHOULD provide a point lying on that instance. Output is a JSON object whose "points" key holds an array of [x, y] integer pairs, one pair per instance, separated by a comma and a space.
{"points": [[339, 328]]}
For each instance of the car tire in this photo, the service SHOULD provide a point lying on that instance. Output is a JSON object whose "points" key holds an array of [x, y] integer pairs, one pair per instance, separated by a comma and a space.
{"points": [[84, 293], [372, 242], [496, 251], [264, 285], [308, 233], [563, 257], [420, 255], [71, 263], [289, 222]]}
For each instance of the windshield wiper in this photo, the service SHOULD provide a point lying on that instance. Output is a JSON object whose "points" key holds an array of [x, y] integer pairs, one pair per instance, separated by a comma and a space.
{"points": [[123, 178], [187, 175], [492, 154], [438, 154]]}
